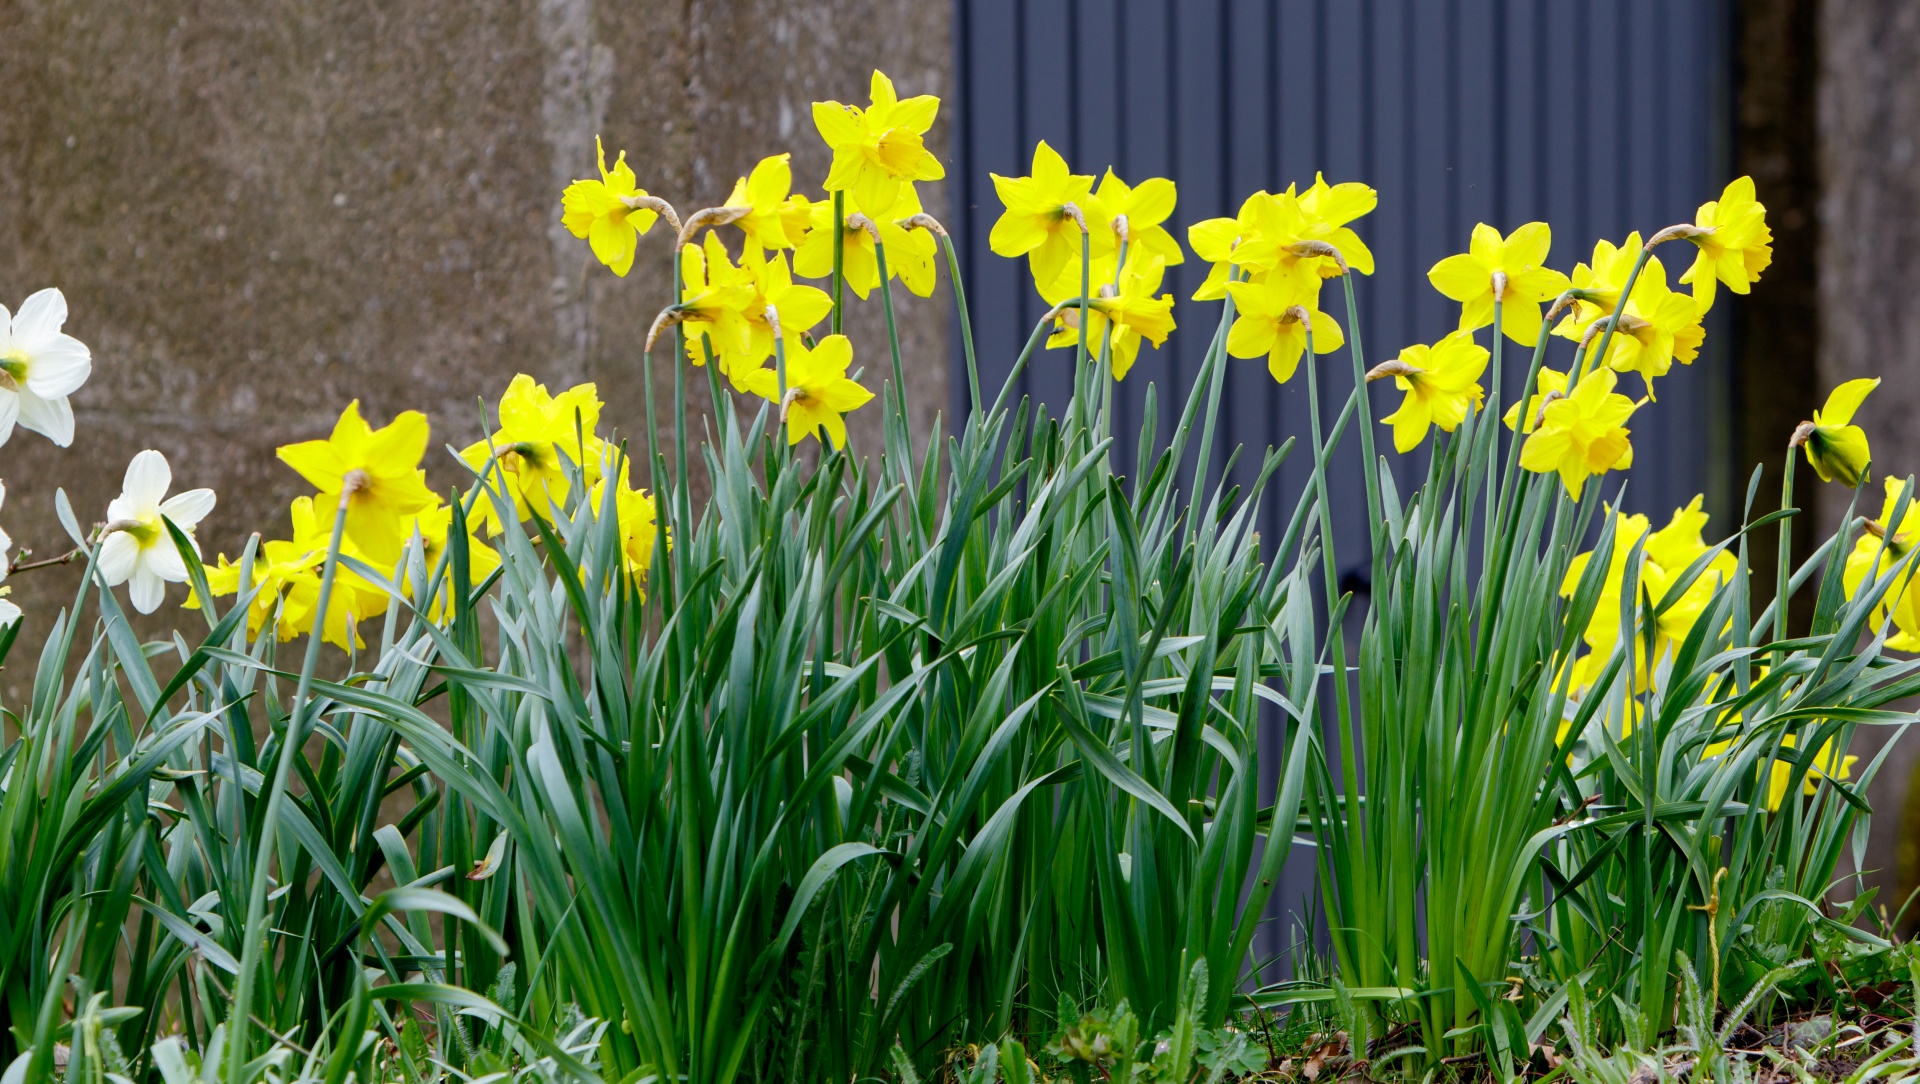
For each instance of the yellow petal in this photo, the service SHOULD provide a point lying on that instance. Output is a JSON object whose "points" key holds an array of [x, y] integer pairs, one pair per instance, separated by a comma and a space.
{"points": [[1844, 400]]}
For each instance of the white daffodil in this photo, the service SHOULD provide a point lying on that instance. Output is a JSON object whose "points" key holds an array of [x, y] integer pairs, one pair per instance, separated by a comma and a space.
{"points": [[138, 548], [9, 613], [39, 367]]}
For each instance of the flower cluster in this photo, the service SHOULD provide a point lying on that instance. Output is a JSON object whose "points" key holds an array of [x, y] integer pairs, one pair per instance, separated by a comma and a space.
{"points": [[747, 315]]}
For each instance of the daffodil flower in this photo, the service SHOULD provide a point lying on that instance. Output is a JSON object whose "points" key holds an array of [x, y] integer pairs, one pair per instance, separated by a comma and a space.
{"points": [[879, 149], [1442, 385], [1327, 209], [1878, 550], [1551, 382], [1257, 241], [286, 582], [1127, 308], [277, 565], [714, 300], [819, 392], [9, 613], [1267, 321], [1582, 434], [1835, 446], [1599, 284], [1657, 327], [798, 308], [1037, 223], [378, 471], [910, 253], [39, 367], [541, 439], [599, 211], [1507, 270], [138, 549], [635, 510], [772, 223], [1139, 210], [1736, 244]]}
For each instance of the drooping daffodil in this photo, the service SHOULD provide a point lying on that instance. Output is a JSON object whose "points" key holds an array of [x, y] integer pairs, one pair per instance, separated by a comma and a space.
{"points": [[1135, 214], [1835, 446], [774, 219], [601, 212], [1124, 309], [1273, 317], [909, 253], [1581, 434], [542, 440], [1880, 549], [1735, 245], [819, 392], [138, 549], [1442, 385], [1044, 216]]}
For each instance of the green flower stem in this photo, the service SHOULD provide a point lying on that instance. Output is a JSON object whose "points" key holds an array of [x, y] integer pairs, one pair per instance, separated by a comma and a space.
{"points": [[1080, 384], [839, 253], [1367, 452], [1491, 417], [1619, 307], [893, 346], [254, 940], [1783, 563], [966, 321]]}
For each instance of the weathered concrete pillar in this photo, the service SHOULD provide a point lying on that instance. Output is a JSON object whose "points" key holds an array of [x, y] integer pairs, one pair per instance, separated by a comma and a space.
{"points": [[1869, 144], [260, 210]]}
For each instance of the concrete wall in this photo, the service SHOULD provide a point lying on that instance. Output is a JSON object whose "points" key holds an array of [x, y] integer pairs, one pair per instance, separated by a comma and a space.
{"points": [[261, 209], [1869, 303]]}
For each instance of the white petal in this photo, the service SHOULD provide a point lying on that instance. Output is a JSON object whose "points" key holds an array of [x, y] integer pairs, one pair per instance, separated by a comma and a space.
{"points": [[52, 418], [9, 613], [189, 508], [163, 560], [9, 411], [120, 508], [148, 590], [148, 477], [59, 366], [6, 330], [39, 319], [118, 554]]}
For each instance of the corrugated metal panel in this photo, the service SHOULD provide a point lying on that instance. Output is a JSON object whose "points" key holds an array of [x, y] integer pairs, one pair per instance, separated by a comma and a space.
{"points": [[1598, 118]]}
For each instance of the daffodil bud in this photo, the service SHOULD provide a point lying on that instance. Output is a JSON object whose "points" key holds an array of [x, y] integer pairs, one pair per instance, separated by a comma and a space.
{"points": [[1682, 231], [1835, 447], [1319, 248]]}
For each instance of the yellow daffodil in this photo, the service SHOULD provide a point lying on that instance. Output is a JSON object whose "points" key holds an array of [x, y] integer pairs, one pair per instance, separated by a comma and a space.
{"points": [[910, 253], [435, 528], [1656, 327], [1442, 384], [1736, 246], [540, 434], [1600, 284], [380, 471], [798, 308], [1582, 434], [355, 598], [1550, 382], [277, 564], [598, 211], [1507, 270], [1835, 446], [1881, 548], [1036, 223], [715, 297], [775, 221], [635, 511], [1256, 242], [1267, 320], [819, 392], [1328, 208], [1128, 310], [1140, 209], [879, 149]]}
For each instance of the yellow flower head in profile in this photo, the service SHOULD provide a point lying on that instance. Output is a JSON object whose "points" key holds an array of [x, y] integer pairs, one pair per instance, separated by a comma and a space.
{"points": [[1125, 310], [1507, 270], [1037, 223], [1879, 550], [798, 308], [1442, 384], [881, 148], [1600, 284], [378, 469], [635, 511], [1273, 317], [910, 253], [598, 211], [542, 438], [1138, 210], [1552, 382], [1257, 242], [819, 392], [1656, 327], [1582, 434], [775, 219], [714, 298], [1328, 208], [1736, 247], [1835, 446]]}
